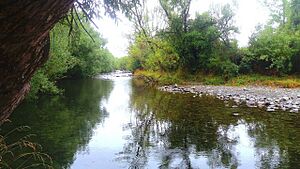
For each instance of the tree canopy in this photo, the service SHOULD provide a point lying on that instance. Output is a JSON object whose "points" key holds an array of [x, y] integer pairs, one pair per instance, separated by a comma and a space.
{"points": [[206, 42]]}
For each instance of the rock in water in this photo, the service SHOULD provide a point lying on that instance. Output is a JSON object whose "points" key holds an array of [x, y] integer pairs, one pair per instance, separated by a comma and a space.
{"points": [[294, 111], [235, 114]]}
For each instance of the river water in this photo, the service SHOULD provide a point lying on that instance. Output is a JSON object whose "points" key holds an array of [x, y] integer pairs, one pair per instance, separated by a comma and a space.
{"points": [[118, 123]]}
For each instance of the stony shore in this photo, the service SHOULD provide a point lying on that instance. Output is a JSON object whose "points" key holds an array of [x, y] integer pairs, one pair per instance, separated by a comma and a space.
{"points": [[271, 99]]}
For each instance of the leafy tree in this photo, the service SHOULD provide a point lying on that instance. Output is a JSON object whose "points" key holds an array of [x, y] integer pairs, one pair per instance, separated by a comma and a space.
{"points": [[153, 54], [139, 51], [122, 63], [274, 49], [59, 63], [224, 60], [198, 44], [295, 13], [76, 55], [93, 57], [163, 58], [280, 11], [271, 50], [177, 13], [223, 18]]}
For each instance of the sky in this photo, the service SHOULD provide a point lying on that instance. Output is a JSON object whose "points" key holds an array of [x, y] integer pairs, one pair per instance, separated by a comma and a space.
{"points": [[249, 13]]}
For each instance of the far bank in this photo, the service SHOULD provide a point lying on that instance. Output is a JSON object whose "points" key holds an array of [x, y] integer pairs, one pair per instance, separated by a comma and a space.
{"points": [[162, 78]]}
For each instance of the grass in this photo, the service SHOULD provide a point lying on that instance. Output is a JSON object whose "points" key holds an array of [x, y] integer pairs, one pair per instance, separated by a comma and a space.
{"points": [[18, 151], [179, 77], [260, 80]]}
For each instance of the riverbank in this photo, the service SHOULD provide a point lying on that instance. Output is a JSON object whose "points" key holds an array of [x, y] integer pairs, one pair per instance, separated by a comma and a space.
{"points": [[269, 92], [160, 79], [272, 99]]}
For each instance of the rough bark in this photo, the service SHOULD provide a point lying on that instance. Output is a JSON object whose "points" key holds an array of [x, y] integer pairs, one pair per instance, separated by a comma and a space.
{"points": [[24, 45]]}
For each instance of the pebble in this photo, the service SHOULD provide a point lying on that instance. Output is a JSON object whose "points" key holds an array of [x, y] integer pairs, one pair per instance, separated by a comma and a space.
{"points": [[235, 114], [273, 99], [294, 111]]}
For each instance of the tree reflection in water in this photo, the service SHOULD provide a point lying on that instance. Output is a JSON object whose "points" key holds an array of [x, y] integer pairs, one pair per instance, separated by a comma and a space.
{"points": [[165, 130], [180, 131], [64, 124]]}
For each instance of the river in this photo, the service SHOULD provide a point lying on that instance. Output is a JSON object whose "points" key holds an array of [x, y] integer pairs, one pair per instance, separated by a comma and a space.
{"points": [[117, 123]]}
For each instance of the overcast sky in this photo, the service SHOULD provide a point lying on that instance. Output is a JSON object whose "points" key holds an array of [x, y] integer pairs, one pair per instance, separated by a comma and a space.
{"points": [[249, 13]]}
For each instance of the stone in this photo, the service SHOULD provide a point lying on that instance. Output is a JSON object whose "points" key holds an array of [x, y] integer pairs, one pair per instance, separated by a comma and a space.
{"points": [[235, 114], [272, 99], [294, 111], [270, 109], [284, 99]]}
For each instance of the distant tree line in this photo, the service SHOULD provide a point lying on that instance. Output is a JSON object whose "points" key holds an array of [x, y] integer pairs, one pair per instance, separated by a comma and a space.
{"points": [[206, 43]]}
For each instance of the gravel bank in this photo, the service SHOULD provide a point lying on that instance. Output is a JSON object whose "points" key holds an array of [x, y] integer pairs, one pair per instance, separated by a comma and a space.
{"points": [[253, 96]]}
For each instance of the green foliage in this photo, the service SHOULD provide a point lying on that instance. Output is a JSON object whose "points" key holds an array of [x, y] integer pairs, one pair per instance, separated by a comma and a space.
{"points": [[61, 59], [92, 56], [77, 55], [196, 45], [139, 51], [271, 50], [213, 80], [263, 80], [124, 63], [153, 54], [225, 68], [88, 59], [163, 57], [205, 44], [275, 50], [196, 48], [40, 83], [160, 78], [205, 36], [59, 63]]}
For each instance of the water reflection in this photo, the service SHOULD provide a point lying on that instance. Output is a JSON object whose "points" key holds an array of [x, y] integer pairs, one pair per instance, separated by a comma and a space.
{"points": [[64, 124], [118, 124], [180, 131], [108, 138]]}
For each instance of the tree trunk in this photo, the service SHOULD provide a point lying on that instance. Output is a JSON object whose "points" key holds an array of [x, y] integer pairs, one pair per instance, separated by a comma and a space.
{"points": [[24, 45]]}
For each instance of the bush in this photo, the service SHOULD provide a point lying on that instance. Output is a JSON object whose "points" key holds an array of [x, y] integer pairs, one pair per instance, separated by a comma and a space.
{"points": [[226, 68], [270, 49], [229, 70]]}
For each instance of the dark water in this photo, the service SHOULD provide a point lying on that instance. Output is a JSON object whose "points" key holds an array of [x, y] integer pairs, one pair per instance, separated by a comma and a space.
{"points": [[118, 124]]}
